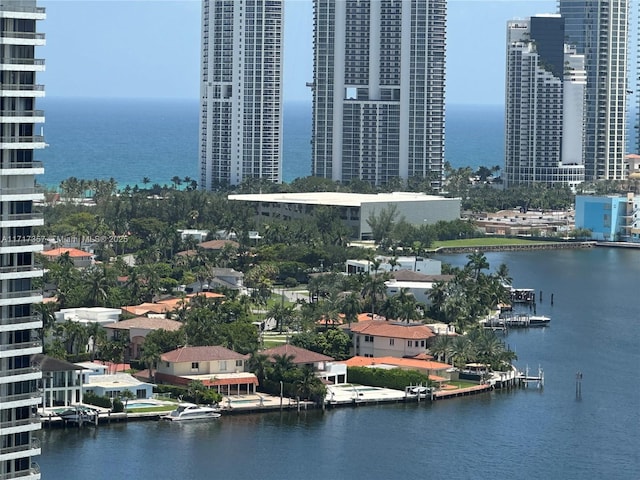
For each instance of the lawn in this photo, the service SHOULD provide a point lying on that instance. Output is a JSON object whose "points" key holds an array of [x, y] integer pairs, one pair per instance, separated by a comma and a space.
{"points": [[486, 242]]}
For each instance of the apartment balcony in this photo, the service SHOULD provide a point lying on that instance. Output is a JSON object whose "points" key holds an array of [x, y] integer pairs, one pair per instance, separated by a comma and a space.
{"points": [[22, 38], [15, 11], [34, 420], [33, 473], [22, 142], [32, 347], [22, 399], [24, 296], [22, 116], [35, 219], [21, 90], [29, 322], [20, 451], [21, 168], [20, 271], [22, 64]]}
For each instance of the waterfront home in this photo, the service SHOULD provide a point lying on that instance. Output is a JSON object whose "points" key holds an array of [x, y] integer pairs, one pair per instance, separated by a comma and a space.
{"points": [[427, 266], [80, 258], [417, 284], [323, 366], [136, 329], [437, 372], [114, 385], [375, 338], [60, 383], [215, 366]]}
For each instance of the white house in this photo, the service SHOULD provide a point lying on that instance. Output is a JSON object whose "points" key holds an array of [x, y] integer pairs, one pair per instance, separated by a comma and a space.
{"points": [[61, 385], [427, 266], [197, 235], [323, 366], [114, 385], [85, 315]]}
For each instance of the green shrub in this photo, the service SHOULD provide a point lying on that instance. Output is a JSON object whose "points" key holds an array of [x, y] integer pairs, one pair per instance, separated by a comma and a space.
{"points": [[99, 401], [395, 378]]}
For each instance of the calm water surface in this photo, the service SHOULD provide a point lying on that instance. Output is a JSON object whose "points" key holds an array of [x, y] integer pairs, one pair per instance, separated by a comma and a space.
{"points": [[522, 434]]}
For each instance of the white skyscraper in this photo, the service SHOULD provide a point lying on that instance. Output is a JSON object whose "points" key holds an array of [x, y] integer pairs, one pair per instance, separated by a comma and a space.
{"points": [[545, 88], [19, 324], [599, 29], [378, 90], [241, 91]]}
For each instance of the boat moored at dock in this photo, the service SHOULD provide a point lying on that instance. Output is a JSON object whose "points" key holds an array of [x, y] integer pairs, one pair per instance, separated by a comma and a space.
{"points": [[191, 411]]}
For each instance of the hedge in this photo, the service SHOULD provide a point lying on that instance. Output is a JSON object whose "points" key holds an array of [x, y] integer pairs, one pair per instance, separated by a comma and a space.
{"points": [[395, 378]]}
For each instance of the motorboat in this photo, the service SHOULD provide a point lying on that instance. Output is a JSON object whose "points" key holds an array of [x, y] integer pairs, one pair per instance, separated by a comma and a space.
{"points": [[538, 321], [191, 411]]}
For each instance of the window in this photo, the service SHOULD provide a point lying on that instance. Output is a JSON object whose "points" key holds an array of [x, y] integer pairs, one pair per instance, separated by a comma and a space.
{"points": [[194, 365], [238, 363], [409, 343], [391, 341]]}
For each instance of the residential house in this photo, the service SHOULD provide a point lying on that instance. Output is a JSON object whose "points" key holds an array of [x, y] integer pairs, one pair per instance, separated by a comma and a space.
{"points": [[61, 384], [136, 329], [415, 283], [114, 385], [80, 258], [376, 338], [162, 308], [426, 266], [436, 371], [324, 367], [215, 366]]}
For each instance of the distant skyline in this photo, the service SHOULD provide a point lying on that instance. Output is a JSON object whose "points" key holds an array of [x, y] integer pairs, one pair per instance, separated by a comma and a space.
{"points": [[151, 48]]}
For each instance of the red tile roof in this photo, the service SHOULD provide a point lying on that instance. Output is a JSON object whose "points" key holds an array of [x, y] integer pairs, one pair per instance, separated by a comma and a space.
{"points": [[218, 244], [393, 330], [300, 355], [73, 252], [201, 354]]}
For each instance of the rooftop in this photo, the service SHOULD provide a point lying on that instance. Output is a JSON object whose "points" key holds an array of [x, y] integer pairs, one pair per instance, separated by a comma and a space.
{"points": [[339, 199], [146, 323], [300, 355], [383, 328], [201, 354]]}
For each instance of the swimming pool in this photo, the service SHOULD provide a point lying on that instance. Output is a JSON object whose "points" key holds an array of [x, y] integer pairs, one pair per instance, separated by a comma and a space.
{"points": [[141, 405]]}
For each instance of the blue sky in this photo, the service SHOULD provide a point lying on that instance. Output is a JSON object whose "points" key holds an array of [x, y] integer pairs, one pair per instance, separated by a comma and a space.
{"points": [[151, 48]]}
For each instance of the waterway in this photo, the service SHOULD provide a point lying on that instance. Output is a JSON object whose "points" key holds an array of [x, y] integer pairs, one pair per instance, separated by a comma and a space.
{"points": [[521, 434]]}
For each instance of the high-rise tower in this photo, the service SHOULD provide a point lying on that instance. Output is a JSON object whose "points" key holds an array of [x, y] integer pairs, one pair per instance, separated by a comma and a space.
{"points": [[241, 91], [378, 90], [544, 121], [599, 30], [19, 324]]}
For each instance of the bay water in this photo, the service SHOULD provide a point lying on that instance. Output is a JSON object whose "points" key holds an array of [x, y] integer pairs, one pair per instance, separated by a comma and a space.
{"points": [[531, 433]]}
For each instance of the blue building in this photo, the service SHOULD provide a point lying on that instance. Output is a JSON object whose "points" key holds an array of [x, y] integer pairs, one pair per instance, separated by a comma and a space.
{"points": [[610, 218]]}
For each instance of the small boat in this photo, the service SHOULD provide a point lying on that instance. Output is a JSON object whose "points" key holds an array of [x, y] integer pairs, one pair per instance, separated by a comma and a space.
{"points": [[79, 415], [538, 321], [191, 411]]}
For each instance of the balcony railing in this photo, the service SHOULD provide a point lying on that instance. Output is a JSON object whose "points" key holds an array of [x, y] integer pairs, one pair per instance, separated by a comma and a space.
{"points": [[37, 393], [20, 371], [9, 165], [32, 445], [33, 470], [22, 87], [24, 293], [21, 113], [21, 243], [15, 8], [23, 35], [18, 320], [21, 216], [21, 190], [20, 423], [23, 139], [35, 343], [22, 61], [20, 268]]}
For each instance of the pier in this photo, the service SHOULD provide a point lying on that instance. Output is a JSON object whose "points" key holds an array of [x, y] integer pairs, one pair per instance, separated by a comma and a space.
{"points": [[525, 378]]}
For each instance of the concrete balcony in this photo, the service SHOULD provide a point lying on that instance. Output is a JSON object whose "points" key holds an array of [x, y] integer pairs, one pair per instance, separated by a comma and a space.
{"points": [[22, 399], [28, 322], [19, 11], [22, 142], [33, 473], [22, 116], [22, 38], [20, 451], [21, 90], [17, 194], [31, 244], [22, 64], [21, 271], [33, 219], [23, 348], [21, 168], [16, 298]]}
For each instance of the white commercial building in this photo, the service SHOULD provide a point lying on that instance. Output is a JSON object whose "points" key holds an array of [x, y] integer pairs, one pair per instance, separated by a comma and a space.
{"points": [[19, 324], [545, 95], [355, 208], [240, 91], [379, 90]]}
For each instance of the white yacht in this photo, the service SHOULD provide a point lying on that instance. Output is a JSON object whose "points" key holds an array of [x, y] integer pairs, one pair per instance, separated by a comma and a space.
{"points": [[191, 411]]}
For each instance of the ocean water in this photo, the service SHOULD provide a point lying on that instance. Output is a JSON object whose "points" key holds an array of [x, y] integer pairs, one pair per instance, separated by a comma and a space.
{"points": [[132, 139]]}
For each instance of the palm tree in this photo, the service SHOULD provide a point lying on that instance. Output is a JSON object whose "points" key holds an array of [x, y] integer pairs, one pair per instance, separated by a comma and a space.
{"points": [[374, 290], [150, 357], [281, 365], [196, 389], [350, 305], [127, 395], [259, 364], [477, 262], [96, 335]]}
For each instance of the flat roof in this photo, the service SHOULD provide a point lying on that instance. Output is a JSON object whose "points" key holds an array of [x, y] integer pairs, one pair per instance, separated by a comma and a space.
{"points": [[340, 199]]}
